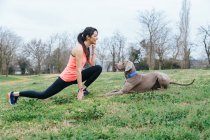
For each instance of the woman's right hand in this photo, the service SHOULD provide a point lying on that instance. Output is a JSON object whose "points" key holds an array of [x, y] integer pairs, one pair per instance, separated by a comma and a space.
{"points": [[80, 95]]}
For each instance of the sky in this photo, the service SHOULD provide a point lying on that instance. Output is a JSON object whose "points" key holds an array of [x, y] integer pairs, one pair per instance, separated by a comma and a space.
{"points": [[42, 18]]}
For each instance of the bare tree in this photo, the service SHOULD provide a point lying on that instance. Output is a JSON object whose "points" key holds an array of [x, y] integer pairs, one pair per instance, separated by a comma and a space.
{"points": [[184, 32], [102, 51], [134, 52], [155, 34], [111, 54], [63, 44], [116, 48], [162, 45], [24, 64], [48, 61], [175, 48], [1, 49], [205, 32], [120, 41], [36, 49], [9, 42]]}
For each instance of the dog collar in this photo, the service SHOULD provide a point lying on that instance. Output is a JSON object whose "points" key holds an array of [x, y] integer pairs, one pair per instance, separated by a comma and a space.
{"points": [[132, 74]]}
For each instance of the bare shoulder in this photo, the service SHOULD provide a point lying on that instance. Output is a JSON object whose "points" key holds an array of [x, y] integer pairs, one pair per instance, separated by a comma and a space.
{"points": [[77, 50]]}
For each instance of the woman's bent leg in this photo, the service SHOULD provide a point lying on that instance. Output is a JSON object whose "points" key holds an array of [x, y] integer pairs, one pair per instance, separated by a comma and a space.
{"points": [[90, 74], [56, 87]]}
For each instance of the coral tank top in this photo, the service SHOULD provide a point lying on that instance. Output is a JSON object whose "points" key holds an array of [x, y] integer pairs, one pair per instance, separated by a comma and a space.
{"points": [[69, 73]]}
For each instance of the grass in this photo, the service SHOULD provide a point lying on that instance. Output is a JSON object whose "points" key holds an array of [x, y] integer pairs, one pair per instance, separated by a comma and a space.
{"points": [[176, 113], [3, 78]]}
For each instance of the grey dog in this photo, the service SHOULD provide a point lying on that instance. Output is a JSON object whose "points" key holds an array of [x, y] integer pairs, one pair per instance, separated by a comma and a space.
{"points": [[141, 82]]}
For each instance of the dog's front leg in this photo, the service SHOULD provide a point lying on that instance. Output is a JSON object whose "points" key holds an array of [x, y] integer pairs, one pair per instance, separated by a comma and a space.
{"points": [[127, 88], [114, 93]]}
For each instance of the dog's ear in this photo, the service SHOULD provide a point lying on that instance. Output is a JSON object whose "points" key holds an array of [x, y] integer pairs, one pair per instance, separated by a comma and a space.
{"points": [[128, 66]]}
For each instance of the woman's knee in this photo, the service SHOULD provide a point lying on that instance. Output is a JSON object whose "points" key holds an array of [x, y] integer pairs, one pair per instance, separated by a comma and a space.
{"points": [[98, 68]]}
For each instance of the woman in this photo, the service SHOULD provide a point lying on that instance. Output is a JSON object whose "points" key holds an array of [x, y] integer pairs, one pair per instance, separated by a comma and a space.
{"points": [[73, 73]]}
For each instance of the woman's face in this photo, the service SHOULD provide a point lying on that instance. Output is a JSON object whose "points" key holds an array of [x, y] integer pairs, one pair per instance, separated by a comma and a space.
{"points": [[94, 38]]}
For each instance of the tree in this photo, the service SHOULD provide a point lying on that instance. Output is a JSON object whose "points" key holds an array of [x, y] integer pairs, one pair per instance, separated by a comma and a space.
{"points": [[49, 59], [24, 64], [116, 48], [184, 32], [9, 42], [155, 34], [36, 50], [63, 43], [205, 33], [134, 52], [102, 51], [176, 44], [162, 45]]}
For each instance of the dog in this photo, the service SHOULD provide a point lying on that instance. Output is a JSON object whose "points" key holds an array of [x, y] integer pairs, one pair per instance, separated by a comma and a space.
{"points": [[141, 82]]}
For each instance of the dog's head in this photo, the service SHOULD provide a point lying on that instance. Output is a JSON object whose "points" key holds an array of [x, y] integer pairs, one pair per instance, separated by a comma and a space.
{"points": [[126, 66]]}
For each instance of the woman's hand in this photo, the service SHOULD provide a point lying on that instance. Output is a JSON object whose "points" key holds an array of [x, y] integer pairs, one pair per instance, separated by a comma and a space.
{"points": [[80, 95], [93, 47]]}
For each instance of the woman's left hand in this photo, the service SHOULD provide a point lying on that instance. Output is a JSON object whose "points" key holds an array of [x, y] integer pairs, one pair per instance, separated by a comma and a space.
{"points": [[93, 46], [80, 95]]}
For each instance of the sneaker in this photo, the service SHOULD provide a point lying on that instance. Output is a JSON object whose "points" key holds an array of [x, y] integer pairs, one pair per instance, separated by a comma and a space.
{"points": [[12, 99], [86, 92]]}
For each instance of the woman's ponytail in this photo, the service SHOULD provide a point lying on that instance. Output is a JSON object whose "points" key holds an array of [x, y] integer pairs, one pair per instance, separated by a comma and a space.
{"points": [[81, 40], [89, 31]]}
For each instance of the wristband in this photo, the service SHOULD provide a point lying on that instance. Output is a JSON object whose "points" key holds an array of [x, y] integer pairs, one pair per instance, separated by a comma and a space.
{"points": [[81, 88]]}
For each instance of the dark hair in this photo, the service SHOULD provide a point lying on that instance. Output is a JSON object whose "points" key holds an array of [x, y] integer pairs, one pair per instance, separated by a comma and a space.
{"points": [[89, 31]]}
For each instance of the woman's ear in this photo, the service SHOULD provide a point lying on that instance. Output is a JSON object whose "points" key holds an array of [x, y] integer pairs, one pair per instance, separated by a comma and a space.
{"points": [[87, 37]]}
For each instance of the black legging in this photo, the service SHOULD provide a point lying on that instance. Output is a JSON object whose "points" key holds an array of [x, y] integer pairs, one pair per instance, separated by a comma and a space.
{"points": [[89, 75]]}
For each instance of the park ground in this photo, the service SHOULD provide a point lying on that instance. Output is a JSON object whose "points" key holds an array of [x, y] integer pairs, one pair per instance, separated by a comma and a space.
{"points": [[176, 113]]}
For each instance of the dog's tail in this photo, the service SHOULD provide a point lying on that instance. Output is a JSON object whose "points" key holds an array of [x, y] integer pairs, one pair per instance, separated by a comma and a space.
{"points": [[182, 84]]}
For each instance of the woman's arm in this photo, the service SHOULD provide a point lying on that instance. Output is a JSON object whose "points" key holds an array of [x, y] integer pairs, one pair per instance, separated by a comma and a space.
{"points": [[78, 55]]}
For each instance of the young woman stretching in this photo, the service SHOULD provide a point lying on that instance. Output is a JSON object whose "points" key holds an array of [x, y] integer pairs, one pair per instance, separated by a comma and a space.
{"points": [[73, 73]]}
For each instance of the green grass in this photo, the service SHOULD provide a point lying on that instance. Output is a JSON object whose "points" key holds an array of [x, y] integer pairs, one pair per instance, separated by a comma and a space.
{"points": [[3, 78], [176, 113]]}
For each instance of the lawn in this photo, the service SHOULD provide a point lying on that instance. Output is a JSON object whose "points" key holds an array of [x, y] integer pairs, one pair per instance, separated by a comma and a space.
{"points": [[176, 113]]}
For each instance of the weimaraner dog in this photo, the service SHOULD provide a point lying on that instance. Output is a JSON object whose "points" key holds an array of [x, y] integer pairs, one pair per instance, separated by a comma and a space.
{"points": [[141, 82]]}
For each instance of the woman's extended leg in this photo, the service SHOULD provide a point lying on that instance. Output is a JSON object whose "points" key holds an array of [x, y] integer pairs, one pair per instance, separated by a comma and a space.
{"points": [[56, 87]]}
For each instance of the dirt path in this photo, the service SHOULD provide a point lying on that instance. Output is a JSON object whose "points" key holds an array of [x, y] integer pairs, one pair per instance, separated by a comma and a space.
{"points": [[14, 82], [24, 80]]}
